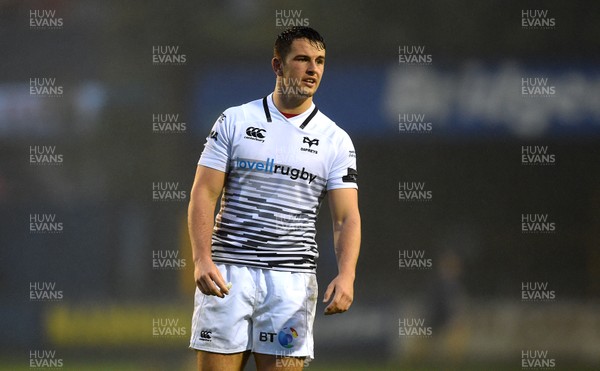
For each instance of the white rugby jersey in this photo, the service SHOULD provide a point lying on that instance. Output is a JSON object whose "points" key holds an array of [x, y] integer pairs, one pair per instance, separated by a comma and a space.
{"points": [[278, 171]]}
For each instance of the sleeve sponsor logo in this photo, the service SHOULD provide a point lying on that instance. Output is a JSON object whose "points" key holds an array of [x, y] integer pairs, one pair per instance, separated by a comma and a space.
{"points": [[351, 177]]}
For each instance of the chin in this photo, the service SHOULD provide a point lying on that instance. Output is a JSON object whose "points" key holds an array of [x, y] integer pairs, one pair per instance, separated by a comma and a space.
{"points": [[308, 93]]}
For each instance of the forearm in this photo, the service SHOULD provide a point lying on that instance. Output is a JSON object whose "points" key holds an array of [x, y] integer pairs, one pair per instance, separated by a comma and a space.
{"points": [[201, 213], [346, 239]]}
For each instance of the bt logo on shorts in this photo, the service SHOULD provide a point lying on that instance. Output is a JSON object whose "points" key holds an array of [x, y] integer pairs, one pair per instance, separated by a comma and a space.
{"points": [[286, 337], [266, 336]]}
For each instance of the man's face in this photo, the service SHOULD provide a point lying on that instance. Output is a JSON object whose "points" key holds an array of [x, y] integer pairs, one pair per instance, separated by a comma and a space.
{"points": [[302, 69]]}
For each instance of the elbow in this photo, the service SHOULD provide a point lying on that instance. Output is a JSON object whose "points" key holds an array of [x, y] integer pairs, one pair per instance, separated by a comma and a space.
{"points": [[350, 220]]}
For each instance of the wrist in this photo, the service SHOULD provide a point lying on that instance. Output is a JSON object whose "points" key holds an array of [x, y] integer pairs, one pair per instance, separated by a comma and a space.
{"points": [[202, 258], [347, 275]]}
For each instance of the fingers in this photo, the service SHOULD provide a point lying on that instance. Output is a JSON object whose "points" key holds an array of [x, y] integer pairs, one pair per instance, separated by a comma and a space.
{"points": [[203, 287], [212, 283], [221, 285], [340, 303], [336, 307], [328, 293], [208, 287], [331, 310]]}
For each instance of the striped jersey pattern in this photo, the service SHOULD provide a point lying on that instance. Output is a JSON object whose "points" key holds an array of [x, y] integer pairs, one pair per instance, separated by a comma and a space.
{"points": [[278, 172]]}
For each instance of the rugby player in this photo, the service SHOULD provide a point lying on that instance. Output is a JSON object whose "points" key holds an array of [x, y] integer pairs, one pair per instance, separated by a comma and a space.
{"points": [[271, 162]]}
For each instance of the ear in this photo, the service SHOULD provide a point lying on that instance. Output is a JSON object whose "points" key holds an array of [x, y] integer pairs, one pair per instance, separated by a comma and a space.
{"points": [[277, 66]]}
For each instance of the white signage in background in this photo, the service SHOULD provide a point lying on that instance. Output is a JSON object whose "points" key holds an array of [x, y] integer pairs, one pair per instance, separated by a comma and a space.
{"points": [[77, 112], [480, 97]]}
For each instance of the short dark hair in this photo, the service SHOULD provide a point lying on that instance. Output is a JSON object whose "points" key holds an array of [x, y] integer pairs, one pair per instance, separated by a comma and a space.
{"points": [[283, 44]]}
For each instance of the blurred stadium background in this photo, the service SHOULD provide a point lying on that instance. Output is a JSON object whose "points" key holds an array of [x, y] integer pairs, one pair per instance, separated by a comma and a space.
{"points": [[118, 310]]}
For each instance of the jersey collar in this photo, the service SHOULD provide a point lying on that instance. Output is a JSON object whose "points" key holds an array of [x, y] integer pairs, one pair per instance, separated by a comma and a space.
{"points": [[269, 107]]}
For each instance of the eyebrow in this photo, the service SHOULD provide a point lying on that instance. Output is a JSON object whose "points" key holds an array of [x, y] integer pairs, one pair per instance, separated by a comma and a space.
{"points": [[308, 56]]}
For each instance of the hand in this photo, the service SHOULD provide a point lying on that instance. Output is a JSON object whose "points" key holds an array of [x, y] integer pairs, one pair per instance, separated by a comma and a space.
{"points": [[209, 279], [342, 288]]}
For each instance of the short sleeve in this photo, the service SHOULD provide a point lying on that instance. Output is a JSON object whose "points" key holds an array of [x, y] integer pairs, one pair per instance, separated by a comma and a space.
{"points": [[217, 148], [344, 173]]}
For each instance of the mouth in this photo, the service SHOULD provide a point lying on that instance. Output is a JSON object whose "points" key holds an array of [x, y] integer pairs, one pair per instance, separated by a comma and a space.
{"points": [[311, 82]]}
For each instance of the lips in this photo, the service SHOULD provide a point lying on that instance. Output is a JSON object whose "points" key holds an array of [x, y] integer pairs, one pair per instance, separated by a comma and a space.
{"points": [[310, 81]]}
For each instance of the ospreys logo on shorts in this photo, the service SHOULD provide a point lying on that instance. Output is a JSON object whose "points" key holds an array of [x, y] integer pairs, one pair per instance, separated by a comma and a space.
{"points": [[257, 134], [287, 336]]}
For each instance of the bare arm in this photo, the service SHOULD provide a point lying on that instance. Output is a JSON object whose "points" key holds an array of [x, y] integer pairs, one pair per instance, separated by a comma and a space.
{"points": [[207, 188], [346, 239]]}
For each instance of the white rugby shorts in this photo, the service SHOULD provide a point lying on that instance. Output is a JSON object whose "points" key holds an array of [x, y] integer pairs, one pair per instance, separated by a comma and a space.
{"points": [[266, 311]]}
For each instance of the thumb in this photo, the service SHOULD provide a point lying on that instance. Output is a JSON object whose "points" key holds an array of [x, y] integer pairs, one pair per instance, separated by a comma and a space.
{"points": [[328, 292]]}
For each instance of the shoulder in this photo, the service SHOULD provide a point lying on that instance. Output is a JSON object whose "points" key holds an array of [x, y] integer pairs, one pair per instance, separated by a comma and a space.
{"points": [[250, 111], [329, 128]]}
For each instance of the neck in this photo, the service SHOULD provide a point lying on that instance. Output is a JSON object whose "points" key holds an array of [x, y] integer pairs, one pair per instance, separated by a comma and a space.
{"points": [[288, 103]]}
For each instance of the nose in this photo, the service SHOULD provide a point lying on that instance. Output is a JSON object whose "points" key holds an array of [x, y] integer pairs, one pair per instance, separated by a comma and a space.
{"points": [[312, 66]]}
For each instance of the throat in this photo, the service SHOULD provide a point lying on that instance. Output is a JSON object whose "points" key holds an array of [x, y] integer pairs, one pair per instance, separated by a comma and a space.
{"points": [[289, 115], [287, 104]]}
